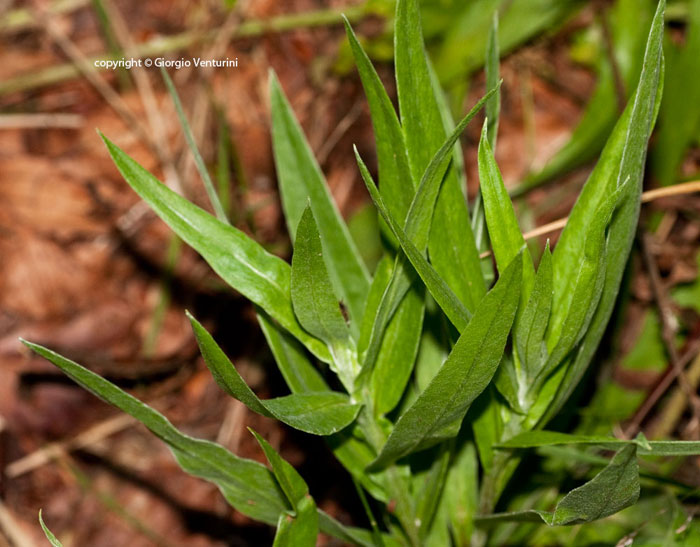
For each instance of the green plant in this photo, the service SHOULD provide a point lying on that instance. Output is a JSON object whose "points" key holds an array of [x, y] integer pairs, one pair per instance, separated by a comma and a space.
{"points": [[421, 343], [618, 66]]}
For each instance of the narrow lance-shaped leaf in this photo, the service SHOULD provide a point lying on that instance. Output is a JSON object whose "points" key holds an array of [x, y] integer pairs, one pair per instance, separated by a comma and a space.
{"points": [[439, 410], [506, 237], [536, 439], [493, 107], [432, 490], [240, 261], [418, 222], [462, 492], [572, 314], [301, 527], [302, 184], [417, 228], [397, 182], [452, 247], [622, 159], [610, 491], [318, 413], [315, 303], [199, 161], [245, 484], [493, 111], [446, 299], [679, 122], [398, 345]]}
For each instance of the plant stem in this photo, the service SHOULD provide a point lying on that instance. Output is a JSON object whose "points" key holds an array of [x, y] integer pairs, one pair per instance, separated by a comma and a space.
{"points": [[396, 485]]}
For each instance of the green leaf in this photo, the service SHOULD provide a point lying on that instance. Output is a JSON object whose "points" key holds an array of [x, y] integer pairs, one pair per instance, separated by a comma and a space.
{"points": [[622, 160], [461, 493], [315, 303], [432, 490], [240, 261], [300, 530], [53, 540], [506, 238], [397, 354], [452, 247], [318, 413], [301, 527], [534, 439], [573, 309], [610, 491], [439, 410], [628, 21], [417, 230], [353, 451], [289, 480], [352, 535], [529, 338], [296, 368], [302, 184], [440, 291], [246, 485], [396, 180]]}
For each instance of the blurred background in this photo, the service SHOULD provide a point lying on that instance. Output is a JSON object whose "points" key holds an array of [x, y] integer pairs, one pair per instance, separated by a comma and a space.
{"points": [[87, 270]]}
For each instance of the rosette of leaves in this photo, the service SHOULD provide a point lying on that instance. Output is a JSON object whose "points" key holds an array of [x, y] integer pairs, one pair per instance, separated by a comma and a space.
{"points": [[430, 389]]}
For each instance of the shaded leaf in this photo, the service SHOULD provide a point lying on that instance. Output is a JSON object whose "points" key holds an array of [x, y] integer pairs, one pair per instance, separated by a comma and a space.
{"points": [[319, 413], [296, 368], [610, 491]]}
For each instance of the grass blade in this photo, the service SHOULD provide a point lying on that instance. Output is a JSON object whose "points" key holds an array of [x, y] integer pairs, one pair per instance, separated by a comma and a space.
{"points": [[199, 161], [53, 540], [493, 107]]}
